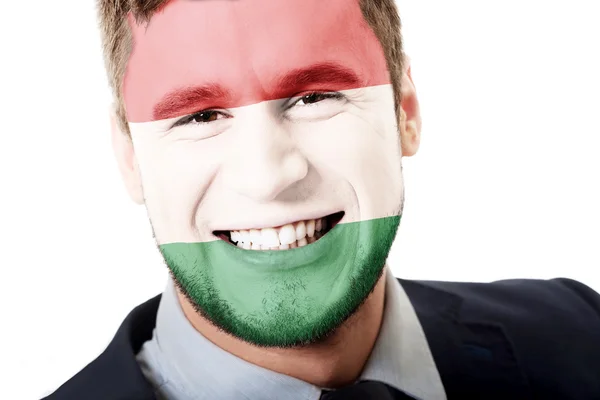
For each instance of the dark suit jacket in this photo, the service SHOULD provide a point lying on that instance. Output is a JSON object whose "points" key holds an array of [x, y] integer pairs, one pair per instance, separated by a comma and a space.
{"points": [[510, 340]]}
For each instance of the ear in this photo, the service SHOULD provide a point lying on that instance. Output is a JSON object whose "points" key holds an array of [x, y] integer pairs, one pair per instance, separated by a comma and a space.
{"points": [[410, 118], [128, 166]]}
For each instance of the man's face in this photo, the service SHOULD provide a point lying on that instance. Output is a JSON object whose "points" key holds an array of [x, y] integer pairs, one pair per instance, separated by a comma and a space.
{"points": [[255, 124]]}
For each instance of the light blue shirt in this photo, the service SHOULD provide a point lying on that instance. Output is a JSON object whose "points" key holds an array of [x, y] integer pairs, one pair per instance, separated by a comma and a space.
{"points": [[182, 364]]}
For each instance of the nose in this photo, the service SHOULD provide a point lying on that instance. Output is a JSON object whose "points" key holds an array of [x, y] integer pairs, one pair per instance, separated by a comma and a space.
{"points": [[266, 160]]}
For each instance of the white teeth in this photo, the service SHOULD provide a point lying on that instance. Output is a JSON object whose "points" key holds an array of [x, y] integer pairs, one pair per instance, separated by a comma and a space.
{"points": [[255, 235], [310, 227], [269, 237], [300, 230], [245, 236], [287, 234]]}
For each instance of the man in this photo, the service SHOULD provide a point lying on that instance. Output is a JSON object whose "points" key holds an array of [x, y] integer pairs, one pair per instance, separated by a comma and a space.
{"points": [[265, 140]]}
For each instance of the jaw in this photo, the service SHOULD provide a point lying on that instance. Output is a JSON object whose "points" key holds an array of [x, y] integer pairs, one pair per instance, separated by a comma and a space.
{"points": [[284, 298]]}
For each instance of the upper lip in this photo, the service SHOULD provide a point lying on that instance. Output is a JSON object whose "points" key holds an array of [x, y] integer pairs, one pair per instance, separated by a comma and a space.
{"points": [[258, 223]]}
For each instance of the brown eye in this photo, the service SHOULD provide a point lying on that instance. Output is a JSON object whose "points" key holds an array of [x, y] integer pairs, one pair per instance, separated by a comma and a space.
{"points": [[317, 97], [202, 118], [205, 116], [314, 98]]}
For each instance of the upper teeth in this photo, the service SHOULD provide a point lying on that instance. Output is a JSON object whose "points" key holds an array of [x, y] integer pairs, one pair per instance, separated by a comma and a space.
{"points": [[288, 236]]}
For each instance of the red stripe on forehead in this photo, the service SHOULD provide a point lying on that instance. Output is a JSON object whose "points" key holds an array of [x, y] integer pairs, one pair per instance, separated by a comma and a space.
{"points": [[222, 54], [190, 99]]}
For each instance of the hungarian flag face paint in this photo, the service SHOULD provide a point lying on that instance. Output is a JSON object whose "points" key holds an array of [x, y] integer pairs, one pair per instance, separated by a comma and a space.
{"points": [[267, 141]]}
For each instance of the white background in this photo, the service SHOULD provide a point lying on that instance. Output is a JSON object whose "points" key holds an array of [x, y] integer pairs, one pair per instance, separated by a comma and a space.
{"points": [[505, 185]]}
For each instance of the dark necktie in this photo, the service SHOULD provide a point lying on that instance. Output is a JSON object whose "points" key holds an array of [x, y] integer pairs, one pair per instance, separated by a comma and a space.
{"points": [[366, 390]]}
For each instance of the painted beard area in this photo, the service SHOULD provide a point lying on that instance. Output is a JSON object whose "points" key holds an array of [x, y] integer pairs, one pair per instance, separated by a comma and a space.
{"points": [[284, 298]]}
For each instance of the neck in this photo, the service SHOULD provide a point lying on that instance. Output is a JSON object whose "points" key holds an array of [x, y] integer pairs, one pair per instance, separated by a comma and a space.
{"points": [[335, 362]]}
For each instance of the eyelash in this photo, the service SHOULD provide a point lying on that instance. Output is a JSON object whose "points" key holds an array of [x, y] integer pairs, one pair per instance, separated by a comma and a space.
{"points": [[326, 96]]}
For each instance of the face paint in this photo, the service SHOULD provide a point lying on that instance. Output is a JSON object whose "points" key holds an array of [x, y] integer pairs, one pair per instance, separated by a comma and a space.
{"points": [[284, 297], [294, 124]]}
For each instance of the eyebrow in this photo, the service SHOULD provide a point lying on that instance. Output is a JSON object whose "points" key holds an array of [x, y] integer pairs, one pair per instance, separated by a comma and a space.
{"points": [[331, 76], [184, 101]]}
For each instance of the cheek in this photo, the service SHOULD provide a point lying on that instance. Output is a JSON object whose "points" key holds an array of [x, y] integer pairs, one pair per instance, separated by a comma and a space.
{"points": [[362, 150], [175, 177]]}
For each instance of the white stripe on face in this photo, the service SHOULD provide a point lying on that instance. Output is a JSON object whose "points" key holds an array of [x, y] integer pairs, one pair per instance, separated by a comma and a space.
{"points": [[270, 163]]}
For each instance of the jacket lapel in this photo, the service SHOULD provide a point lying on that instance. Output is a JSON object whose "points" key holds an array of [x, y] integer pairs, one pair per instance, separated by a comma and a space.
{"points": [[474, 357]]}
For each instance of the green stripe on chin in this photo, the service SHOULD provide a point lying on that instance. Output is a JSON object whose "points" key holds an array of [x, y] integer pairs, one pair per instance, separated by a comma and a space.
{"points": [[289, 297]]}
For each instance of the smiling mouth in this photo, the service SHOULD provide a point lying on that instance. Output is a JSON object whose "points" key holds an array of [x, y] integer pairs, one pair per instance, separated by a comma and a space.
{"points": [[290, 236]]}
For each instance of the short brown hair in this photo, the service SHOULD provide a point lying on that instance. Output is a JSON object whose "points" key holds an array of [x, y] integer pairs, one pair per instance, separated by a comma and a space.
{"points": [[381, 15]]}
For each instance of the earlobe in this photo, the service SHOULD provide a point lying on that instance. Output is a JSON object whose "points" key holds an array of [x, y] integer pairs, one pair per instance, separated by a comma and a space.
{"points": [[411, 138], [410, 123], [126, 160]]}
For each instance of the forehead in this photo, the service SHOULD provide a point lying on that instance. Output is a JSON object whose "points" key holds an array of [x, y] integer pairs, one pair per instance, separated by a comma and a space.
{"points": [[243, 46]]}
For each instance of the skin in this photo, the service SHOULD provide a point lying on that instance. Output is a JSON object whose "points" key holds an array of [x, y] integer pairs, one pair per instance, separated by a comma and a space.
{"points": [[289, 177]]}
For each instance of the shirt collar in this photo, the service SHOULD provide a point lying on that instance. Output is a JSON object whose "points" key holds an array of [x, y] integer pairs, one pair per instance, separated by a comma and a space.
{"points": [[401, 356], [183, 361]]}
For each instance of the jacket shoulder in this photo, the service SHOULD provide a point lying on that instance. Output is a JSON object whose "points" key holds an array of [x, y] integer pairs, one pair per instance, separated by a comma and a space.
{"points": [[562, 298], [553, 327]]}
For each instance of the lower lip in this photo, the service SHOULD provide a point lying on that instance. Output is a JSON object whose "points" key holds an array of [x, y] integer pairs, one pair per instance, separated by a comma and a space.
{"points": [[335, 253]]}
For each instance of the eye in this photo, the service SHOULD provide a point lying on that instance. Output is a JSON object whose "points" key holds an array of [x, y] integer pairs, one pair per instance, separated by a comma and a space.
{"points": [[202, 117], [316, 106], [316, 97]]}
